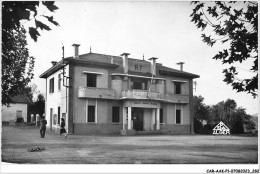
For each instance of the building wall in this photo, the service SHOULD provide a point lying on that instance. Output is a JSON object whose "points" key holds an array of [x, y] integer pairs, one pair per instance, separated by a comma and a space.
{"points": [[56, 99], [81, 78], [77, 107], [9, 113], [104, 123], [170, 85]]}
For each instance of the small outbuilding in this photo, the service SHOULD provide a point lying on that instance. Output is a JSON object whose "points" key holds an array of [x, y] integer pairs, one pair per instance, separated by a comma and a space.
{"points": [[18, 108]]}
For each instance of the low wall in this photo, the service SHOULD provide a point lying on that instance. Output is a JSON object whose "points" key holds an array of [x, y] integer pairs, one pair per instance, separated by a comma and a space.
{"points": [[100, 128], [175, 129]]}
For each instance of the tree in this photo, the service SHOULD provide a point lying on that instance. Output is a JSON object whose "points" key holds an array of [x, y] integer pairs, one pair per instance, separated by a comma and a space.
{"points": [[15, 11], [238, 121], [40, 104], [249, 122], [37, 107], [200, 109], [237, 26], [31, 92], [17, 65]]}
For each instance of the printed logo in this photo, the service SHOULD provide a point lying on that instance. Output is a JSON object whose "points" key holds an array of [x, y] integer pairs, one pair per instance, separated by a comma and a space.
{"points": [[221, 129]]}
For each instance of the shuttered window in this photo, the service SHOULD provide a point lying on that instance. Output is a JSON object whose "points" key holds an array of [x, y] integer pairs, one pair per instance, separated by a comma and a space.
{"points": [[91, 80], [178, 116], [91, 114], [177, 87], [51, 86], [115, 114]]}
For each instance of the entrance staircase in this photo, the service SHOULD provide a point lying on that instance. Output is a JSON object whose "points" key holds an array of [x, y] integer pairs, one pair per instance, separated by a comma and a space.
{"points": [[158, 132]]}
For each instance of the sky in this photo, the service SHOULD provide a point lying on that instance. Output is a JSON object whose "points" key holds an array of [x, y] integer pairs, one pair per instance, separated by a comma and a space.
{"points": [[153, 29]]}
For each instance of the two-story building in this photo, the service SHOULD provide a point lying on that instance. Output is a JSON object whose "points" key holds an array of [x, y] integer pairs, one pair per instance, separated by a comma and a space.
{"points": [[103, 94]]}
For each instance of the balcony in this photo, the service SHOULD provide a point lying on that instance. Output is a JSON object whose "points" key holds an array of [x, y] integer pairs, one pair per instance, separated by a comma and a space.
{"points": [[176, 98], [90, 92], [140, 94]]}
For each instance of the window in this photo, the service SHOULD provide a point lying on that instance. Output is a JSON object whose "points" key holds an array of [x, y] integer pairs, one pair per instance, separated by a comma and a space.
{"points": [[58, 115], [51, 89], [51, 115], [139, 83], [178, 116], [177, 87], [161, 115], [91, 114], [59, 82], [91, 80], [115, 114], [54, 119], [19, 113]]}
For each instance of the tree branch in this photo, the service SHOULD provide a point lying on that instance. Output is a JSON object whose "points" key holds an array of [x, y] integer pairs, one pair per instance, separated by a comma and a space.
{"points": [[207, 18]]}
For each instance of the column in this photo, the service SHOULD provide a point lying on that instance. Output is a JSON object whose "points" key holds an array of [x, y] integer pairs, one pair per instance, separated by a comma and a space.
{"points": [[129, 118], [124, 117], [158, 119], [96, 110], [153, 119]]}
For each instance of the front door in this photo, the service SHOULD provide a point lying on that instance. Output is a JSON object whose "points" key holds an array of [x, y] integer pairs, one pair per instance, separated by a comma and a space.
{"points": [[138, 121]]}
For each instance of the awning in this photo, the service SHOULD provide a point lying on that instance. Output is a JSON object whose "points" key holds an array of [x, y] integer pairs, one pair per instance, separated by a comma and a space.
{"points": [[92, 72], [180, 81]]}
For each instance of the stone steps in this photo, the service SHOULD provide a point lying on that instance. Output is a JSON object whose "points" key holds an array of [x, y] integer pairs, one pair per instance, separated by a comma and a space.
{"points": [[148, 132]]}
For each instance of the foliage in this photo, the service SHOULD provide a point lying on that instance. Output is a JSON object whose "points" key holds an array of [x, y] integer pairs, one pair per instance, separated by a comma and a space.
{"points": [[15, 11], [14, 53], [17, 65], [197, 126], [30, 92], [40, 104], [226, 111], [201, 111], [236, 26], [249, 122], [37, 107], [238, 121]]}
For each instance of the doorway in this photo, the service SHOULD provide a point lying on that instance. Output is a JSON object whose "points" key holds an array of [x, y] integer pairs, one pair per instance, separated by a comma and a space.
{"points": [[138, 119]]}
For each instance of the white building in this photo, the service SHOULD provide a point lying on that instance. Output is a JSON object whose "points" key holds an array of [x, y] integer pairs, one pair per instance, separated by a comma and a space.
{"points": [[18, 108]]}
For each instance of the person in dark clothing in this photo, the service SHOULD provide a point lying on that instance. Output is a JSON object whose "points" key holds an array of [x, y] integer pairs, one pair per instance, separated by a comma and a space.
{"points": [[62, 128], [43, 123]]}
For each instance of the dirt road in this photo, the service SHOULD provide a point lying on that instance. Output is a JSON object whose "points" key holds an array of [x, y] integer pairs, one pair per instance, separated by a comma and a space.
{"points": [[149, 149]]}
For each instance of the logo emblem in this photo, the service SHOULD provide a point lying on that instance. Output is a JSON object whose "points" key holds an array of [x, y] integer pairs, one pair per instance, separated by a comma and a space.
{"points": [[221, 129]]}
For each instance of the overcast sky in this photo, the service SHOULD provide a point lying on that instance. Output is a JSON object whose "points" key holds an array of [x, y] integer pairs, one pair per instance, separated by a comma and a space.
{"points": [[155, 29]]}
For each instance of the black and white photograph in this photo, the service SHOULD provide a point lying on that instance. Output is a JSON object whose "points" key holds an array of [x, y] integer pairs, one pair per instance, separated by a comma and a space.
{"points": [[129, 87]]}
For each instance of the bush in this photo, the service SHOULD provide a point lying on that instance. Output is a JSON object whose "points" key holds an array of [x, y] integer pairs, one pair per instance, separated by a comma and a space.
{"points": [[200, 129], [197, 126]]}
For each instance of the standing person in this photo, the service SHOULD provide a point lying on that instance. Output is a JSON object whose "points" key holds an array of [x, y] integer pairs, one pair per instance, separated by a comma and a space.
{"points": [[62, 128], [43, 123]]}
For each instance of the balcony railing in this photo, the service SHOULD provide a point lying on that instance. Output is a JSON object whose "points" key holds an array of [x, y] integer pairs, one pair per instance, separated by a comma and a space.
{"points": [[176, 98], [140, 94], [90, 92]]}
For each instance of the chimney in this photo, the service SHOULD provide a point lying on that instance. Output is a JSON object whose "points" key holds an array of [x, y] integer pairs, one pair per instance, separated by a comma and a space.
{"points": [[153, 65], [53, 63], [181, 65], [76, 50], [125, 62]]}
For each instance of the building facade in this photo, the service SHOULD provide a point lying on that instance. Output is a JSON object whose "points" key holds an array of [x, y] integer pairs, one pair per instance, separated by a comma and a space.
{"points": [[18, 109], [103, 94]]}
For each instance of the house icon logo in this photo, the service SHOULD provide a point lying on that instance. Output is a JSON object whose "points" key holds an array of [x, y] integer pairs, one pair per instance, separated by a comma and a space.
{"points": [[221, 129]]}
